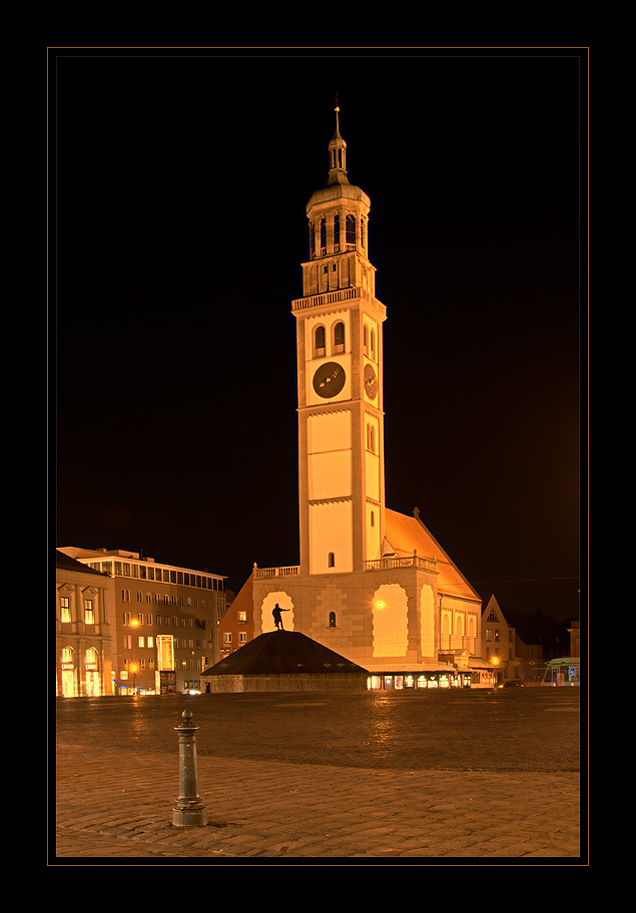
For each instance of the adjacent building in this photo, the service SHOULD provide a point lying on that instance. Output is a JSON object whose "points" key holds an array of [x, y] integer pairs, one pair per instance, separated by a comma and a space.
{"points": [[236, 628], [164, 620], [518, 645], [84, 629]]}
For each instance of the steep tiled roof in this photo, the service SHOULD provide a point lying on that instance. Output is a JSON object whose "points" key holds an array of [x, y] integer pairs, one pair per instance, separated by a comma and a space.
{"points": [[406, 534]]}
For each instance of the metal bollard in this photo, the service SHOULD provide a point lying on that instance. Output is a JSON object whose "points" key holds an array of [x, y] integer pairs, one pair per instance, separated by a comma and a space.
{"points": [[189, 810]]}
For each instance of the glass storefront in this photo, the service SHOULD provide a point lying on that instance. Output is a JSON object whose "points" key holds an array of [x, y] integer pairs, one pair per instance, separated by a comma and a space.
{"points": [[452, 679]]}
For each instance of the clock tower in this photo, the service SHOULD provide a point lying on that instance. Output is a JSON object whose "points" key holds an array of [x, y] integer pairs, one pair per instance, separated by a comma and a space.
{"points": [[371, 584], [340, 395]]}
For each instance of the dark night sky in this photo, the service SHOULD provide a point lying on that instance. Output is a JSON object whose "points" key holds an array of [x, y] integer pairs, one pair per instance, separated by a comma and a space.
{"points": [[179, 180]]}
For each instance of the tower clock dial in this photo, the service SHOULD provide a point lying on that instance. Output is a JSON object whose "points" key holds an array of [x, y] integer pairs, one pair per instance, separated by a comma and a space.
{"points": [[329, 379], [370, 381]]}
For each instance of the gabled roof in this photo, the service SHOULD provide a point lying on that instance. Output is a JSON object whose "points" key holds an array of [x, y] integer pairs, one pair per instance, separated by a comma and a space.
{"points": [[65, 562], [282, 652], [406, 534]]}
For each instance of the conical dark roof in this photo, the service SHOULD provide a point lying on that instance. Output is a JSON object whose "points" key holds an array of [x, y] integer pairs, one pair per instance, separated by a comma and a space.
{"points": [[282, 652]]}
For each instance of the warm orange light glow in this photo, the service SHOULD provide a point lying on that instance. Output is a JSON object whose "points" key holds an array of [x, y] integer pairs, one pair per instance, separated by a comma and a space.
{"points": [[495, 660], [134, 622], [379, 604], [133, 668]]}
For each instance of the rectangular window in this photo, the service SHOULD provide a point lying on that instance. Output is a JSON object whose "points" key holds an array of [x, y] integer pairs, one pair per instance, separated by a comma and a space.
{"points": [[142, 641], [227, 637], [65, 609], [89, 615]]}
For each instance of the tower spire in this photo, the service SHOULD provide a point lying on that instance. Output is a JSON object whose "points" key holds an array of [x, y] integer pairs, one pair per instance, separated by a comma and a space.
{"points": [[337, 153]]}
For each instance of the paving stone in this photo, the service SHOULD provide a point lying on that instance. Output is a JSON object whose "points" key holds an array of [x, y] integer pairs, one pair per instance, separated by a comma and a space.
{"points": [[115, 802]]}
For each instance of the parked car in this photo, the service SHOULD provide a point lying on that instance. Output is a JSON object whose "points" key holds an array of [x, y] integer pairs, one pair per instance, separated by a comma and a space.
{"points": [[512, 683]]}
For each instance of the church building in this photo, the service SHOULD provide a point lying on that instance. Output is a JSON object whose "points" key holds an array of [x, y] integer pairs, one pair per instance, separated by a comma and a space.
{"points": [[372, 584]]}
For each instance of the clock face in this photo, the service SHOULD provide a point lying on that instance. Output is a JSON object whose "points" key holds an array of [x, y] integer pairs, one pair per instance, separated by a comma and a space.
{"points": [[370, 382], [329, 379]]}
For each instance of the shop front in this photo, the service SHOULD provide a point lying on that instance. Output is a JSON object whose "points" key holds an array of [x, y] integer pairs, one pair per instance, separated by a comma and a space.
{"points": [[420, 679]]}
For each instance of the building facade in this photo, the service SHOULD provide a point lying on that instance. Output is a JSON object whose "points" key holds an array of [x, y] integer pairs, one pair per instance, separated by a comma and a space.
{"points": [[236, 628], [84, 629], [499, 642], [371, 584], [165, 620]]}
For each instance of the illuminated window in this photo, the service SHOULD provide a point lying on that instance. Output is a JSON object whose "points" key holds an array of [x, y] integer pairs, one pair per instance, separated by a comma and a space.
{"points": [[65, 609], [89, 613]]}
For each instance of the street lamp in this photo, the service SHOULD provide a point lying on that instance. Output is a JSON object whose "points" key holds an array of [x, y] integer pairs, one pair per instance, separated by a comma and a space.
{"points": [[133, 669]]}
